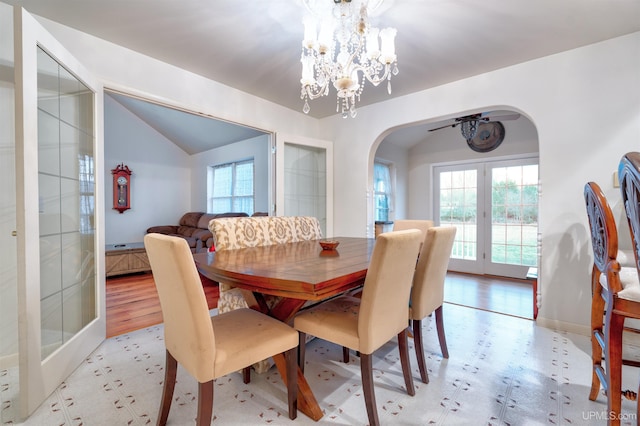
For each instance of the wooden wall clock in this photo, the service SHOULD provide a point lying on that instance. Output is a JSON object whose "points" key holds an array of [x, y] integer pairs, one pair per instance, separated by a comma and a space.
{"points": [[121, 188]]}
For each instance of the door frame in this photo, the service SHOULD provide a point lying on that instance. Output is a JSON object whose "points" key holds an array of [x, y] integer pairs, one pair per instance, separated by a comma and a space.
{"points": [[39, 378], [482, 264]]}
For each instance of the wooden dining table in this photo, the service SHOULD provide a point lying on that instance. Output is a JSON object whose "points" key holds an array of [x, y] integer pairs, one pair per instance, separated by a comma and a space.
{"points": [[298, 272]]}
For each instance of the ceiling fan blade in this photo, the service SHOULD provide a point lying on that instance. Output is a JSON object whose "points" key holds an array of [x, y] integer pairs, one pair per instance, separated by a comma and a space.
{"points": [[503, 117], [444, 127]]}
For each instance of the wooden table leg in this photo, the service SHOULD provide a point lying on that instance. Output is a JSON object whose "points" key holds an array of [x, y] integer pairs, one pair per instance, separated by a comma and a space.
{"points": [[306, 400], [285, 310]]}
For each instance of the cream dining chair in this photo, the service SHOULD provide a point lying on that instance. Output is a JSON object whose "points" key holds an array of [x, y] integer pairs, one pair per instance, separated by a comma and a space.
{"points": [[398, 225], [421, 225], [427, 292], [210, 347], [365, 324]]}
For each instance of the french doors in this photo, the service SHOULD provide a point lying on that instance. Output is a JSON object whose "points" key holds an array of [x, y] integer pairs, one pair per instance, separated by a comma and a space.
{"points": [[494, 206], [60, 279]]}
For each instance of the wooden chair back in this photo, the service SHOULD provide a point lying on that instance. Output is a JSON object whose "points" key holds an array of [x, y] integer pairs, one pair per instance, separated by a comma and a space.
{"points": [[629, 177], [604, 233]]}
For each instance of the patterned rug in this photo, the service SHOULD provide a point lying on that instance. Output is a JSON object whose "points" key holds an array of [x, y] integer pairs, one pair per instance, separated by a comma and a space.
{"points": [[502, 370]]}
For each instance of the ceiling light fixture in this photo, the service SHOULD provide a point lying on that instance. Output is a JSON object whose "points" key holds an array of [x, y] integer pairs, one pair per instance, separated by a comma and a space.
{"points": [[345, 45]]}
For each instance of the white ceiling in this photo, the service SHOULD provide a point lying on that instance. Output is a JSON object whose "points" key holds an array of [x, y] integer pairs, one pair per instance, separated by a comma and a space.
{"points": [[254, 46]]}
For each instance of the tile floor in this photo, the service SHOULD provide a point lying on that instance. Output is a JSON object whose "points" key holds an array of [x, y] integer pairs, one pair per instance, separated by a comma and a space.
{"points": [[503, 370]]}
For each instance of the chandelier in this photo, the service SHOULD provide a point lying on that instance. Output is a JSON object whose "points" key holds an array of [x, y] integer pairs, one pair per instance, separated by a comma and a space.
{"points": [[342, 49]]}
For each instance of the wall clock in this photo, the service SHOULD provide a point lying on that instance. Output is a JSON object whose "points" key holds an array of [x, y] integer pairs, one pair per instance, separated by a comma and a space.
{"points": [[488, 137], [121, 188]]}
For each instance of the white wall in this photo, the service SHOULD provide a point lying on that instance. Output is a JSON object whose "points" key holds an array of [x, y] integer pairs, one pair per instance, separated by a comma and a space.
{"points": [[585, 105], [257, 148], [160, 181]]}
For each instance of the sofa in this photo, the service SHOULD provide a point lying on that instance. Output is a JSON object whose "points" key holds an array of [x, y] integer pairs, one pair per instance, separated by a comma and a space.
{"points": [[194, 228]]}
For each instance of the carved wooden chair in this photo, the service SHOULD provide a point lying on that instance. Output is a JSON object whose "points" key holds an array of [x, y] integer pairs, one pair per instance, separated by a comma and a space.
{"points": [[629, 177], [616, 296], [210, 347], [365, 324]]}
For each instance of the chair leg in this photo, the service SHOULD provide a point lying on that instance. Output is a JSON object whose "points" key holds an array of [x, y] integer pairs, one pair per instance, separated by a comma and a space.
{"points": [[345, 355], [441, 336], [246, 375], [205, 403], [301, 350], [170, 370], [417, 342], [366, 371], [291, 357], [613, 342], [597, 314], [403, 347]]}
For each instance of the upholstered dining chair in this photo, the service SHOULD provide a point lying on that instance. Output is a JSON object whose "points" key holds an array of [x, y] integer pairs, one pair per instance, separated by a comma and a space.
{"points": [[421, 225], [365, 324], [427, 292], [236, 233], [210, 347], [615, 296], [398, 225]]}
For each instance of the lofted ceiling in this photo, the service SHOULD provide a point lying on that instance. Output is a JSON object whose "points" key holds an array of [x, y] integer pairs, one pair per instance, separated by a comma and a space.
{"points": [[191, 132], [254, 46]]}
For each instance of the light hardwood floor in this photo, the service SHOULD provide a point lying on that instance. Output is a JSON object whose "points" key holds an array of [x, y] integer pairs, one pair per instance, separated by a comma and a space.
{"points": [[132, 300], [490, 293]]}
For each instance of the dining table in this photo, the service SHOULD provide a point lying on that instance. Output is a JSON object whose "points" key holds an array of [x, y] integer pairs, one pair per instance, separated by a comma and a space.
{"points": [[298, 272]]}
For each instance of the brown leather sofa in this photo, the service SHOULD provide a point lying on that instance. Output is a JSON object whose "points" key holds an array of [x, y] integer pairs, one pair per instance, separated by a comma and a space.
{"points": [[194, 227]]}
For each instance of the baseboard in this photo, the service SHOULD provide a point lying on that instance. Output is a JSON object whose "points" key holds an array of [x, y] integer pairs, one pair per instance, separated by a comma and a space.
{"points": [[8, 361], [583, 330]]}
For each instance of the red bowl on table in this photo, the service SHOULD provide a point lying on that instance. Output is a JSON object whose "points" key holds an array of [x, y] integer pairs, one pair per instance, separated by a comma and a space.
{"points": [[329, 244]]}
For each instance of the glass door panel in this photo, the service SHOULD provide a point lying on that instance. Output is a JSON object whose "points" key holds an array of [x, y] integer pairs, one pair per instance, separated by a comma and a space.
{"points": [[65, 147], [514, 217], [304, 179], [457, 206], [305, 182]]}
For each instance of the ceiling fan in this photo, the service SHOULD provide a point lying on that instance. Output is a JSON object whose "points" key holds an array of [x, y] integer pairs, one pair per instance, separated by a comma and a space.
{"points": [[483, 132]]}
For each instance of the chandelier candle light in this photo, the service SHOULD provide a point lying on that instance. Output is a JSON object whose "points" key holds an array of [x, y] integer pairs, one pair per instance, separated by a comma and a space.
{"points": [[339, 44]]}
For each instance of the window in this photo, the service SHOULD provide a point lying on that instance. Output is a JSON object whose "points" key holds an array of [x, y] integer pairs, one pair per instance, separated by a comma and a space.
{"points": [[382, 191], [231, 188]]}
